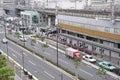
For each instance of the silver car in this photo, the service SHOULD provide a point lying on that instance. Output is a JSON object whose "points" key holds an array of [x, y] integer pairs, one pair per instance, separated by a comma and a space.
{"points": [[5, 41], [22, 38], [89, 58]]}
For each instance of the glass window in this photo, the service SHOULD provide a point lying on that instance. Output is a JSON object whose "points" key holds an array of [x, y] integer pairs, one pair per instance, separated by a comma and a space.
{"points": [[116, 30], [34, 19]]}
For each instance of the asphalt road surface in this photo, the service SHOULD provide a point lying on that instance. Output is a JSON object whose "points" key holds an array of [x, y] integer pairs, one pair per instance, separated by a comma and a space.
{"points": [[86, 71]]}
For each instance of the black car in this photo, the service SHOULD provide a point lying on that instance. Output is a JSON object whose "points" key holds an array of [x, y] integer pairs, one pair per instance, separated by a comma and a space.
{"points": [[117, 71]]}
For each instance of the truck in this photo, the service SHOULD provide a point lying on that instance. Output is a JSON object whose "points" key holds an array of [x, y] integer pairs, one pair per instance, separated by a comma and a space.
{"points": [[72, 53]]}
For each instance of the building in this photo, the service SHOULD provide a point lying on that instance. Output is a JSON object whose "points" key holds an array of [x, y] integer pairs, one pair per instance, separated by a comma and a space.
{"points": [[30, 19], [97, 30]]}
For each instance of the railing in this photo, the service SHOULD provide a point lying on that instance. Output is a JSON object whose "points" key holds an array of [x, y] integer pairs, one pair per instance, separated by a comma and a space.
{"points": [[82, 13], [103, 34], [89, 13]]}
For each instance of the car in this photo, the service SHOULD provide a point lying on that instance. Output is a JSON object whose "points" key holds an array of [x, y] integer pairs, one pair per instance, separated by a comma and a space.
{"points": [[106, 65], [4, 40], [89, 58], [22, 38], [117, 71]]}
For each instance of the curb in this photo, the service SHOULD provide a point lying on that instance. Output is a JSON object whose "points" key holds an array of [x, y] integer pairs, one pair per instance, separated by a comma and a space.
{"points": [[35, 78]]}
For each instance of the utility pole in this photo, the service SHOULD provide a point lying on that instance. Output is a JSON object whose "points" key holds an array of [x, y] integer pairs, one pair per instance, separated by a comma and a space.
{"points": [[7, 50], [23, 60], [23, 28], [4, 26], [112, 5], [57, 30]]}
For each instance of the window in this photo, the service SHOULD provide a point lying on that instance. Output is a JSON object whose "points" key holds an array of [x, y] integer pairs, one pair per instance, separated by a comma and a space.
{"points": [[116, 30], [107, 29], [34, 19]]}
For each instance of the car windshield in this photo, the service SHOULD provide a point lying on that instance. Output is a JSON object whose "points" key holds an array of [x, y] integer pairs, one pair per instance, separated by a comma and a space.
{"points": [[90, 57], [109, 65]]}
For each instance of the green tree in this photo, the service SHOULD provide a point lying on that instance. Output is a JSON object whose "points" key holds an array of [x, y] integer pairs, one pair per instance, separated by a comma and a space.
{"points": [[17, 34], [33, 41], [2, 61], [10, 31], [38, 35], [102, 72], [5, 71], [76, 63], [44, 46]]}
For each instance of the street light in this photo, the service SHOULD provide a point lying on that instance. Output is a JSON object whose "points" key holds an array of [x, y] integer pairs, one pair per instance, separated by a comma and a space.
{"points": [[7, 50], [57, 46], [22, 60], [23, 28], [5, 36], [57, 29]]}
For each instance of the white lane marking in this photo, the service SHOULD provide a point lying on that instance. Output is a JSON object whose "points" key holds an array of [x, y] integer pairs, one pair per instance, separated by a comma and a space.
{"points": [[67, 74], [58, 49], [15, 51], [49, 74], [89, 66], [32, 63], [14, 55], [63, 61], [86, 72], [24, 53]]}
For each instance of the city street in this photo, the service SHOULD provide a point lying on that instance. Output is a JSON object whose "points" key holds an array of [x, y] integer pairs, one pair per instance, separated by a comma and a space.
{"points": [[33, 64], [50, 53]]}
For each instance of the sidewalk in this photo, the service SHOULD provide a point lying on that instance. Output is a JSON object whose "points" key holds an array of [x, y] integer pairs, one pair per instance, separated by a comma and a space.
{"points": [[19, 74], [115, 61]]}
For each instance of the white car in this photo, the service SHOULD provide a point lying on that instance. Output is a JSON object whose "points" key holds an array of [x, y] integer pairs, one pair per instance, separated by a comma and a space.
{"points": [[89, 58], [5, 41], [22, 38]]}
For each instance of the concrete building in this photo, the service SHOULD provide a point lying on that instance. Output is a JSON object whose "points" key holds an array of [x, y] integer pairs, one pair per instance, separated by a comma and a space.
{"points": [[30, 19], [97, 30]]}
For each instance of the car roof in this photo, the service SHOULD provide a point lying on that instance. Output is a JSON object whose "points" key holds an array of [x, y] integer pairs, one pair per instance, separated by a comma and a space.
{"points": [[88, 55], [106, 62]]}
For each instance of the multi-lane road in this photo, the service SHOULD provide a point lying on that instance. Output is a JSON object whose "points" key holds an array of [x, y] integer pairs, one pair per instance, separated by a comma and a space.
{"points": [[40, 68], [36, 66]]}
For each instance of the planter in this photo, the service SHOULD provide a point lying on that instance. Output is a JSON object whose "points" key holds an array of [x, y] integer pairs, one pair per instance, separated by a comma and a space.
{"points": [[25, 72], [30, 76]]}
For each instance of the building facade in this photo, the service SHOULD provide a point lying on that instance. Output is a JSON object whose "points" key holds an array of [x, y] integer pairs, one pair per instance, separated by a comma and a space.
{"points": [[96, 30], [30, 19]]}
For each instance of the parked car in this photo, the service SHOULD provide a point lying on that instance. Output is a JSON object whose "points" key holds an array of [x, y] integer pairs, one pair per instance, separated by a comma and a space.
{"points": [[4, 40], [22, 38], [106, 65], [89, 58], [88, 52], [117, 71]]}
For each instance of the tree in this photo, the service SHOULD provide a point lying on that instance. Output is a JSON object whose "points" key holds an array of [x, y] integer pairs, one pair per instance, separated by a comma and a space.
{"points": [[102, 73], [17, 33], [5, 71], [2, 61], [33, 41], [76, 63], [44, 46], [10, 31]]}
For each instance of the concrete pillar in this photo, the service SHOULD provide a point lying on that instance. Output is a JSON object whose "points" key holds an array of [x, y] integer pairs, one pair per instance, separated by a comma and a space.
{"points": [[49, 21], [109, 55]]}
